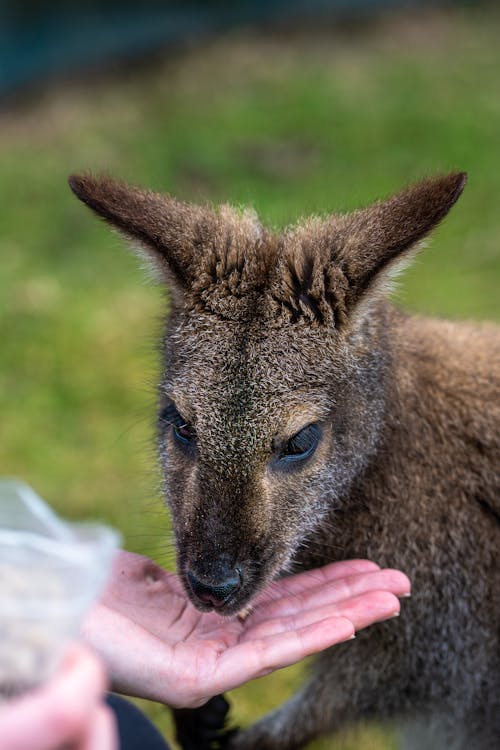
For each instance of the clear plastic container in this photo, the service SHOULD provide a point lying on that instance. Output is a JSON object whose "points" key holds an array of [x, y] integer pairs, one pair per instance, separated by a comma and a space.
{"points": [[50, 574]]}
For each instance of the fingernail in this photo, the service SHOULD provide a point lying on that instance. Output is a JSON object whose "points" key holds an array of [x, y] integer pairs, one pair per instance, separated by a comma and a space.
{"points": [[405, 596], [390, 617]]}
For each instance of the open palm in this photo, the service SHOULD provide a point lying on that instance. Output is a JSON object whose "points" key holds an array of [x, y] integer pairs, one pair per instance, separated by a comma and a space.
{"points": [[157, 645]]}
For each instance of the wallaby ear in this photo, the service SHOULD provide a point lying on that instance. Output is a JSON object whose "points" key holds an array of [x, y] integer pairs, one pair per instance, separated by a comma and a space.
{"points": [[167, 231], [331, 270], [376, 240]]}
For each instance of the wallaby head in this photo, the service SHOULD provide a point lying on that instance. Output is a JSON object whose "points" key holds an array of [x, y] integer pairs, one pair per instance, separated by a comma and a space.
{"points": [[273, 393]]}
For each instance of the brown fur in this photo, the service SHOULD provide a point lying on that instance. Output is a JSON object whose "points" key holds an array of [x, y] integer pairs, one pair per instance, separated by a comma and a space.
{"points": [[269, 333]]}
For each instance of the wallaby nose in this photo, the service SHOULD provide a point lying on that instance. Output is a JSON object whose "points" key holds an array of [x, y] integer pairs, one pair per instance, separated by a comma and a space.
{"points": [[217, 593]]}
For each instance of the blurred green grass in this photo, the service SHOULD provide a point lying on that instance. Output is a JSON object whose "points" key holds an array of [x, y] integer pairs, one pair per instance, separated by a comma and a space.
{"points": [[291, 122]]}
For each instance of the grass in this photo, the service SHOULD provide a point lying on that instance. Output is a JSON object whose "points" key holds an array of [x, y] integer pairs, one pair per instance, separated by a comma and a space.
{"points": [[291, 122]]}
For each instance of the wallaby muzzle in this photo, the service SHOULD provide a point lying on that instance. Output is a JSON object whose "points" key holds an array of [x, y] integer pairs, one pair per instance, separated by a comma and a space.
{"points": [[216, 591]]}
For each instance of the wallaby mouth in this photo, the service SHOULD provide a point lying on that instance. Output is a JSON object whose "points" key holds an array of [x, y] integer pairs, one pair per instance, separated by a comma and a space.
{"points": [[225, 589], [216, 593], [223, 584]]}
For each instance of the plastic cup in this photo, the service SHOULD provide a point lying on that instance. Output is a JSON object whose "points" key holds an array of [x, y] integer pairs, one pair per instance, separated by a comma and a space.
{"points": [[50, 574]]}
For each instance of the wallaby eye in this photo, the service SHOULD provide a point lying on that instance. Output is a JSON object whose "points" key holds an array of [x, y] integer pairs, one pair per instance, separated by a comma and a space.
{"points": [[300, 446], [182, 431]]}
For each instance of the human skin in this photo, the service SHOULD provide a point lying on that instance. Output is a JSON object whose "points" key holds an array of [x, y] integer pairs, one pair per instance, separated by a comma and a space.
{"points": [[67, 711], [156, 645]]}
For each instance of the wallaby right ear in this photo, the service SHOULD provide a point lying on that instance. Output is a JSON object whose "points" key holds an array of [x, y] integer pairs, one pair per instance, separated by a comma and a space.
{"points": [[167, 231]]}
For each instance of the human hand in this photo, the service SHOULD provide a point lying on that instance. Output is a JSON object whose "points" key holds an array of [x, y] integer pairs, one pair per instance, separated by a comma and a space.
{"points": [[64, 712], [156, 645]]}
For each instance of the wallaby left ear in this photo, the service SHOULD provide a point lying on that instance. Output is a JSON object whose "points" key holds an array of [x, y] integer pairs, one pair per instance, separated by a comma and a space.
{"points": [[375, 240], [333, 269]]}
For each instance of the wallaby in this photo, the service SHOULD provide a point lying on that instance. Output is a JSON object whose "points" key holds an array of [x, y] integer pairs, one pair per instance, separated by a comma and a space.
{"points": [[305, 419]]}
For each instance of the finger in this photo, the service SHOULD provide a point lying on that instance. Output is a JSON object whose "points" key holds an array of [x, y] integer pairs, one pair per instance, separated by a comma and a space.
{"points": [[102, 733], [296, 584], [334, 592], [258, 658], [362, 610], [57, 712], [345, 588], [248, 661], [132, 573]]}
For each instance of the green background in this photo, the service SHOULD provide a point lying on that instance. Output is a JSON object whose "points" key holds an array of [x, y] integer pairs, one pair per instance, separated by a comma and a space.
{"points": [[291, 122]]}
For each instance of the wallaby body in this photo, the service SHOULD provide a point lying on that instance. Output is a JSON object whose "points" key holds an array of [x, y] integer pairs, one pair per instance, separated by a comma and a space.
{"points": [[303, 420]]}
